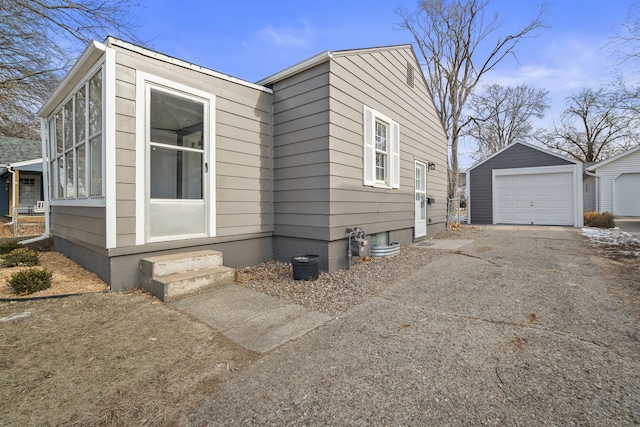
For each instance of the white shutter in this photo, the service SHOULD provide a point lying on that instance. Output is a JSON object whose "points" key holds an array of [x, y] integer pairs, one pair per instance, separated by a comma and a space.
{"points": [[395, 155], [368, 162]]}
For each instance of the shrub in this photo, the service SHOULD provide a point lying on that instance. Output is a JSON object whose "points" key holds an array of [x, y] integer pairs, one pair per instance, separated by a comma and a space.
{"points": [[597, 219], [7, 247], [20, 256], [30, 280]]}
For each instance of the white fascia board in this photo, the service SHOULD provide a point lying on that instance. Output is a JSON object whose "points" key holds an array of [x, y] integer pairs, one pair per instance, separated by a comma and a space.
{"points": [[297, 68], [25, 163], [184, 64], [89, 56], [612, 159]]}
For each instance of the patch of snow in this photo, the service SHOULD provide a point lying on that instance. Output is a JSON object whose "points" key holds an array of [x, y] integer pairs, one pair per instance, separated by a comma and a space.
{"points": [[611, 237]]}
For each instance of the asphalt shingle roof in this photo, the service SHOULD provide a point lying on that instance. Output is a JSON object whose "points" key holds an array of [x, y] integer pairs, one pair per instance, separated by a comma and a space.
{"points": [[17, 150]]}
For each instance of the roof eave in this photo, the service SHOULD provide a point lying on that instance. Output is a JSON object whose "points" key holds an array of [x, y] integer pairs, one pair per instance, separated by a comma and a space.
{"points": [[297, 68], [612, 159], [111, 41], [89, 56], [526, 145]]}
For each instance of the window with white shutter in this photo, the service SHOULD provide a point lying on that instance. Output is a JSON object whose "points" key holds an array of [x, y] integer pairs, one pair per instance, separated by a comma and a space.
{"points": [[381, 150]]}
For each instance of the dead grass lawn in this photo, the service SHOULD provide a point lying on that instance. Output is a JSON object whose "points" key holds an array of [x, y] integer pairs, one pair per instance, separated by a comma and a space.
{"points": [[108, 359]]}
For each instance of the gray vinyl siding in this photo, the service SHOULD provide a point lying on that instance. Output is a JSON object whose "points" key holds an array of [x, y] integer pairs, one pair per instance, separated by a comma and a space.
{"points": [[590, 191], [318, 153], [301, 155], [480, 185], [377, 78], [79, 224]]}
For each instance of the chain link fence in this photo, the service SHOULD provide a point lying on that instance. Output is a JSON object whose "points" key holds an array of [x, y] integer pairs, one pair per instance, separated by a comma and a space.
{"points": [[455, 214]]}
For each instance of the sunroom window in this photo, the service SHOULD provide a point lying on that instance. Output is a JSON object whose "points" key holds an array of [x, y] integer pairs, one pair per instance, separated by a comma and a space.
{"points": [[75, 143]]}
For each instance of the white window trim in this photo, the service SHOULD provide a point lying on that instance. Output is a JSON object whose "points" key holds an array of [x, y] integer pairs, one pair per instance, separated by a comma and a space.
{"points": [[108, 61], [142, 186], [368, 157]]}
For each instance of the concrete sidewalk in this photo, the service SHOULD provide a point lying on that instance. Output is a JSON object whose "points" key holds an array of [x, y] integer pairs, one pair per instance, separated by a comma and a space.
{"points": [[260, 322], [629, 224], [254, 320]]}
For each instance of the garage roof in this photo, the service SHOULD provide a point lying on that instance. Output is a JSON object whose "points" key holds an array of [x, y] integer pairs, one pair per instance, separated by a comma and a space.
{"points": [[526, 145], [612, 159]]}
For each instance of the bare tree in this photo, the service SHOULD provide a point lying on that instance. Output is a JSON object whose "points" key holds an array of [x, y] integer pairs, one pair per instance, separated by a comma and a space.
{"points": [[596, 124], [453, 39], [38, 39], [626, 41], [501, 115]]}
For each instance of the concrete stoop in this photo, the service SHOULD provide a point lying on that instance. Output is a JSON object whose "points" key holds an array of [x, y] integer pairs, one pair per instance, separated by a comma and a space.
{"points": [[169, 277]]}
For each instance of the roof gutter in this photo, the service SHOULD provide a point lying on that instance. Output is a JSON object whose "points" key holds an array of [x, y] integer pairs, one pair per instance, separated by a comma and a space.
{"points": [[297, 68]]}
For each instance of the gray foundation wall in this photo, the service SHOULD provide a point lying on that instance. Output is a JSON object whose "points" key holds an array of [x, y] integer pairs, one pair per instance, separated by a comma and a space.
{"points": [[89, 257], [124, 269], [334, 254], [121, 271]]}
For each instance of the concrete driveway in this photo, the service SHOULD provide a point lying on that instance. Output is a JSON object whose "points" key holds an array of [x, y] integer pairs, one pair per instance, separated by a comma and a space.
{"points": [[629, 224], [520, 327]]}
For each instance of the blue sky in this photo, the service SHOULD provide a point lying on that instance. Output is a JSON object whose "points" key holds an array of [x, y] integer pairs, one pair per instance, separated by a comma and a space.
{"points": [[253, 39]]}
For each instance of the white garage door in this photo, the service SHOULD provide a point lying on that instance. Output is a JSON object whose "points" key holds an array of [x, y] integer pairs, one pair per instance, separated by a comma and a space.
{"points": [[626, 195], [536, 198]]}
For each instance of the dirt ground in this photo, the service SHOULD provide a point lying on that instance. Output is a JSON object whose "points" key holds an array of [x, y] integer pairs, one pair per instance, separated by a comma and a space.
{"points": [[127, 359]]}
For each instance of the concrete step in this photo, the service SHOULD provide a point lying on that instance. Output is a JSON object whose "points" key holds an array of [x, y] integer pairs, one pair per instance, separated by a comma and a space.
{"points": [[176, 285], [163, 265]]}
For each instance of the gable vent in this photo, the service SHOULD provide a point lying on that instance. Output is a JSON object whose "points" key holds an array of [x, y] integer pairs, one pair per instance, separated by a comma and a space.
{"points": [[409, 75]]}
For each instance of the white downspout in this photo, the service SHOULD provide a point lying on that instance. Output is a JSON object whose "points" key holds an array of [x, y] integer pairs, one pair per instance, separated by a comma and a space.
{"points": [[45, 183], [13, 195]]}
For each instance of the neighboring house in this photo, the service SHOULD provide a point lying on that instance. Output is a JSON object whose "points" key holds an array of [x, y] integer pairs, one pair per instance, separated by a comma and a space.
{"points": [[20, 175], [152, 155], [525, 184], [617, 184]]}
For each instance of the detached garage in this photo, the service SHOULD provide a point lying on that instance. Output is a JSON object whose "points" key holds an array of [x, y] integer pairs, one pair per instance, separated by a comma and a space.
{"points": [[525, 184], [618, 183]]}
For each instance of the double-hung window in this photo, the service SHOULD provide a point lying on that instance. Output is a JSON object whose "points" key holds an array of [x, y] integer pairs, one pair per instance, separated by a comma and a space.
{"points": [[381, 150]]}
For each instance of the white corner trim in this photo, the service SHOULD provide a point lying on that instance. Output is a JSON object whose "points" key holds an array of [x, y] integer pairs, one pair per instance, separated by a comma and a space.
{"points": [[109, 148], [141, 191]]}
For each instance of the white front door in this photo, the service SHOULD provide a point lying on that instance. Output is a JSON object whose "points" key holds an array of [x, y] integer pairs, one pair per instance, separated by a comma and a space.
{"points": [[177, 166], [421, 200]]}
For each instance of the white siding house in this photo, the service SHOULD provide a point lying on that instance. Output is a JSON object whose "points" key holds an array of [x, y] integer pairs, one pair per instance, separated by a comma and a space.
{"points": [[618, 183]]}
